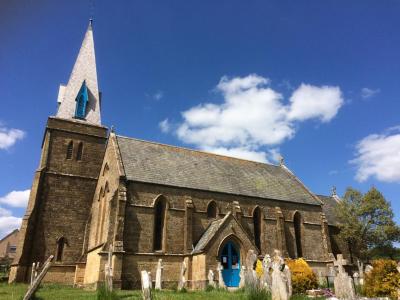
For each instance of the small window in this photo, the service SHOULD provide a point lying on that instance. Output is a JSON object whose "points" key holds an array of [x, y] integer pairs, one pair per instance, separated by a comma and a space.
{"points": [[100, 194], [80, 151], [60, 248], [212, 210], [81, 102], [105, 170], [70, 149], [12, 249]]}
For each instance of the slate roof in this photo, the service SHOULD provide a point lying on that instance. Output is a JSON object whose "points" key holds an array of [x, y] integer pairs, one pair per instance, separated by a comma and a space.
{"points": [[330, 203], [168, 165], [209, 233]]}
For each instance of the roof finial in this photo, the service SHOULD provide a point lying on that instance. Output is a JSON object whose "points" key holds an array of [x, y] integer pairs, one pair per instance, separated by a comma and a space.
{"points": [[112, 129], [333, 190], [281, 160], [90, 22]]}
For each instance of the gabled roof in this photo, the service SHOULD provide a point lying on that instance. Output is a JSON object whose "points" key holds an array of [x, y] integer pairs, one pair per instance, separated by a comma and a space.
{"points": [[328, 207], [209, 233], [168, 165]]}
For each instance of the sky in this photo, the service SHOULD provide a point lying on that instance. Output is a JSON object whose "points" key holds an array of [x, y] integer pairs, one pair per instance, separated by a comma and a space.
{"points": [[314, 82]]}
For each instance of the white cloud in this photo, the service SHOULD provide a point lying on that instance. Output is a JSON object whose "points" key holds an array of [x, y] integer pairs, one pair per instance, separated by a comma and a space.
{"points": [[369, 93], [165, 126], [16, 198], [9, 137], [253, 119], [8, 222], [378, 155], [308, 102]]}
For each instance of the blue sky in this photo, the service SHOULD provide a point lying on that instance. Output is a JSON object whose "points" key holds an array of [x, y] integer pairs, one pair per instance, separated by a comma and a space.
{"points": [[316, 82]]}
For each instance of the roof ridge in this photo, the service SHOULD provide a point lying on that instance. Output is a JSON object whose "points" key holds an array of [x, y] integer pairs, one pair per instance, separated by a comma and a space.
{"points": [[196, 150]]}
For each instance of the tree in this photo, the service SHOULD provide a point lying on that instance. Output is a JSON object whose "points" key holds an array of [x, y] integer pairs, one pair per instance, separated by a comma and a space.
{"points": [[366, 222]]}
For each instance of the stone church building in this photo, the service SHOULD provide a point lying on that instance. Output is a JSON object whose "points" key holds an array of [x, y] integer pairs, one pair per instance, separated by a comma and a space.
{"points": [[96, 191]]}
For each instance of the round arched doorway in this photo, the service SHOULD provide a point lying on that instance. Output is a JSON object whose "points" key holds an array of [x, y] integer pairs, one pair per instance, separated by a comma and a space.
{"points": [[230, 261]]}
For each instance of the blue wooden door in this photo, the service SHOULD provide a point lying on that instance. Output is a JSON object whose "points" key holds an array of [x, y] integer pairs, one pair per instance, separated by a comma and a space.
{"points": [[230, 261]]}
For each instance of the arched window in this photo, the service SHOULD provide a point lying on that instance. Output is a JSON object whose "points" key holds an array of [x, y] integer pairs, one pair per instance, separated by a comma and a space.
{"points": [[106, 168], [257, 227], [297, 222], [102, 212], [100, 194], [70, 149], [212, 210], [160, 212], [80, 151], [60, 248]]}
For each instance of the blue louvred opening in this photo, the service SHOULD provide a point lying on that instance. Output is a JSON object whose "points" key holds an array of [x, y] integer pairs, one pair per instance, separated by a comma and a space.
{"points": [[81, 102]]}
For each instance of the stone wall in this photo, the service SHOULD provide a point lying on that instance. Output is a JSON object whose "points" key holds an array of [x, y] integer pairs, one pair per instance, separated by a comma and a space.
{"points": [[61, 198], [139, 222]]}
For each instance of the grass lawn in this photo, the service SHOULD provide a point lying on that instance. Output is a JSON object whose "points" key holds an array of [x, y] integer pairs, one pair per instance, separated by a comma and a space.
{"points": [[60, 292]]}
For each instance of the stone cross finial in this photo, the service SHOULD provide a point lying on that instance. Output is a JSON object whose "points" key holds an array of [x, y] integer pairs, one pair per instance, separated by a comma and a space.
{"points": [[340, 262], [333, 191], [281, 160]]}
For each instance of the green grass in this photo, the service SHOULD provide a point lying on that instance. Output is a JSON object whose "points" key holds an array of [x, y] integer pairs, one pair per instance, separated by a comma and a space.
{"points": [[60, 292]]}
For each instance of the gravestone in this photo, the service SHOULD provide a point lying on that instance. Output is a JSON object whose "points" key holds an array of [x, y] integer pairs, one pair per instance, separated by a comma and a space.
{"points": [[281, 285], [344, 288], [265, 281], [368, 269], [242, 275], [211, 281], [108, 272], [159, 274], [221, 283], [250, 274], [32, 289], [182, 279], [146, 285], [360, 266], [356, 278], [34, 272]]}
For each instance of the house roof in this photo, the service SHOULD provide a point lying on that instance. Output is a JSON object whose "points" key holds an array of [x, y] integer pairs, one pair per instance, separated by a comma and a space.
{"points": [[328, 207], [174, 166]]}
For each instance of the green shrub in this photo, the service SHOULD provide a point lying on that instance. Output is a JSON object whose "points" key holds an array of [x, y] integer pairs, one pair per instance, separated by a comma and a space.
{"points": [[303, 277], [383, 280]]}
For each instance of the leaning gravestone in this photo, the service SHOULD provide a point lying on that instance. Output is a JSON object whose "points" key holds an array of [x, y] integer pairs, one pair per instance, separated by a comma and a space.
{"points": [[32, 289], [182, 279], [221, 283], [146, 286], [344, 288], [159, 274]]}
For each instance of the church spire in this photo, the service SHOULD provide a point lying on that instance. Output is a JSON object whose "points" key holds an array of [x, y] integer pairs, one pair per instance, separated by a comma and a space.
{"points": [[80, 98]]}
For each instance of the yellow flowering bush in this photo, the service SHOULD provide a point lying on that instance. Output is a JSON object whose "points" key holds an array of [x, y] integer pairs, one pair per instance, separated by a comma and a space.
{"points": [[383, 280], [259, 268], [303, 277]]}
